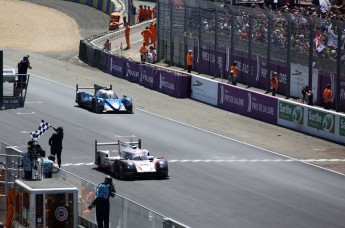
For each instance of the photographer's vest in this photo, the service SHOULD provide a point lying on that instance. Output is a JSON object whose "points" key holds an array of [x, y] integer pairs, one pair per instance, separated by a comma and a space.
{"points": [[103, 191], [327, 95], [26, 162]]}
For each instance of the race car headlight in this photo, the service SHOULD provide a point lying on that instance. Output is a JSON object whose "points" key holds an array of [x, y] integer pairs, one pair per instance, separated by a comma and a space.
{"points": [[130, 165], [163, 163]]}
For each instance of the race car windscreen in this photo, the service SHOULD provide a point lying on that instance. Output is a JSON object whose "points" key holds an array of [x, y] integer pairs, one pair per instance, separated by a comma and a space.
{"points": [[135, 156]]}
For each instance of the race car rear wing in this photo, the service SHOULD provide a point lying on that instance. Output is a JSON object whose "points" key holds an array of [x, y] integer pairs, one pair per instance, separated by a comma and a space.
{"points": [[119, 143], [95, 88]]}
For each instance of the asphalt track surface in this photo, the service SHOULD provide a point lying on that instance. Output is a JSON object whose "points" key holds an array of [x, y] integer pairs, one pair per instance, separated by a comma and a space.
{"points": [[215, 181]]}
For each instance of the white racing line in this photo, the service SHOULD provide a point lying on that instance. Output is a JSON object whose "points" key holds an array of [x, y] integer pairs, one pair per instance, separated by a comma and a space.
{"points": [[227, 161], [289, 159]]}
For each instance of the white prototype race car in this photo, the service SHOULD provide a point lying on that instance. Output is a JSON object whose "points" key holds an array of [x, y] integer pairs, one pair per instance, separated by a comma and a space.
{"points": [[130, 161]]}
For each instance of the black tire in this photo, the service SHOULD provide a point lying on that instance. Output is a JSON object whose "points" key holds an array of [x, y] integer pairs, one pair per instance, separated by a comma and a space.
{"points": [[99, 165], [94, 107], [78, 100], [120, 172]]}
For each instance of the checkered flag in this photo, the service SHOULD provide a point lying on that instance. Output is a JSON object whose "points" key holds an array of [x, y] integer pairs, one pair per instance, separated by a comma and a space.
{"points": [[44, 126]]}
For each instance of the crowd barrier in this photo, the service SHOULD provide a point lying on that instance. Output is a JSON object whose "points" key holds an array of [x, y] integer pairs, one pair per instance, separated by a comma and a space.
{"points": [[300, 117], [164, 80]]}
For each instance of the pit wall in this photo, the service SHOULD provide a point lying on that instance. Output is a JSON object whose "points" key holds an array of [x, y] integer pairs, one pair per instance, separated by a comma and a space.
{"points": [[300, 117]]}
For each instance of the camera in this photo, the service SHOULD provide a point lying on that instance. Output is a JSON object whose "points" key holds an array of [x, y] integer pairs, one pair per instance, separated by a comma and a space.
{"points": [[36, 151]]}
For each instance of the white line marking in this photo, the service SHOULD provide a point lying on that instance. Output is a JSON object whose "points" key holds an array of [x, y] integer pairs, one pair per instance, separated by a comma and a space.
{"points": [[33, 102], [25, 113], [25, 132], [229, 160]]}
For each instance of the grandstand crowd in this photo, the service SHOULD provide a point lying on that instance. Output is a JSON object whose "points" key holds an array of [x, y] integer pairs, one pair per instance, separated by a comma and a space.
{"points": [[327, 19]]}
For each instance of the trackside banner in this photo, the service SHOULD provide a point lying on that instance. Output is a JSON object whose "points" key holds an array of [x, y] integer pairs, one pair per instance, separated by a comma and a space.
{"points": [[204, 90], [116, 66], [312, 120], [248, 103]]}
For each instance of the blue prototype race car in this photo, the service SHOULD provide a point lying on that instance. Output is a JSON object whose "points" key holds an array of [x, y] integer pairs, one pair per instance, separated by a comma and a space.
{"points": [[102, 100]]}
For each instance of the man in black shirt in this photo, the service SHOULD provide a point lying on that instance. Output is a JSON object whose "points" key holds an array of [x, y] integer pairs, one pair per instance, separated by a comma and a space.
{"points": [[55, 143], [23, 67]]}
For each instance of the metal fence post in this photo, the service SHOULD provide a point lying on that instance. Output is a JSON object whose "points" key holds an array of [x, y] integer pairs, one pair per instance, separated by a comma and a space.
{"points": [[199, 37], [288, 59], [185, 36], [311, 56], [338, 75], [215, 41], [232, 41], [171, 37], [250, 50]]}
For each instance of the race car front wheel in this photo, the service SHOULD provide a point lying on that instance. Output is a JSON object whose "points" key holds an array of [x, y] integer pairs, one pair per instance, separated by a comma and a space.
{"points": [[120, 172]]}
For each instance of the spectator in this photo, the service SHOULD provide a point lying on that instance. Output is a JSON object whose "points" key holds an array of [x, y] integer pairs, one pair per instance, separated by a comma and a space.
{"points": [[274, 83], [189, 61], [146, 33], [101, 202], [327, 97], [107, 45], [153, 55], [310, 96], [55, 143], [304, 93]]}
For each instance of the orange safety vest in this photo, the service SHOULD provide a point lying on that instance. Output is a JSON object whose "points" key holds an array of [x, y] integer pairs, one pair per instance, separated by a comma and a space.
{"points": [[189, 60], [153, 32], [143, 49], [147, 35], [234, 69], [327, 95], [274, 82]]}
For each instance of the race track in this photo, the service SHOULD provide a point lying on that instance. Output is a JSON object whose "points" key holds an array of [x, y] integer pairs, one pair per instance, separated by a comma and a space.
{"points": [[215, 181]]}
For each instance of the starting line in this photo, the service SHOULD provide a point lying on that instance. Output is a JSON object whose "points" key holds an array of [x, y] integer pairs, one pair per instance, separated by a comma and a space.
{"points": [[230, 160]]}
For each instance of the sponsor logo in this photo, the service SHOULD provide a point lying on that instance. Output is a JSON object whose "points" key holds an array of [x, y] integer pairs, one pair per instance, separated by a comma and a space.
{"points": [[198, 83], [61, 214], [342, 126], [165, 84], [249, 107], [290, 112], [321, 120]]}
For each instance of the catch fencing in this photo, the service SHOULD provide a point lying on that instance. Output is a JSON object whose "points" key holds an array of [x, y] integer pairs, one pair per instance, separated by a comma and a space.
{"points": [[302, 50]]}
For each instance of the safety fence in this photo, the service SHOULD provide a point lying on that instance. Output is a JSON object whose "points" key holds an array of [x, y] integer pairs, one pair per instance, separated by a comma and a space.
{"points": [[303, 50], [124, 212]]}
